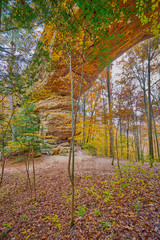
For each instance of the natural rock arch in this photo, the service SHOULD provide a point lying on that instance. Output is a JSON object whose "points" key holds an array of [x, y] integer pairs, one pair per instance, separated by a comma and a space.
{"points": [[52, 91]]}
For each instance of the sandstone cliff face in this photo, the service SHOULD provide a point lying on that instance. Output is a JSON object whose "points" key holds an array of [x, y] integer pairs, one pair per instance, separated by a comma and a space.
{"points": [[55, 111], [55, 118]]}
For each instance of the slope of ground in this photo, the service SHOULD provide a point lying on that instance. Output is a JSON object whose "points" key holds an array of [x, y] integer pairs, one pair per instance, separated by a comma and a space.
{"points": [[107, 206]]}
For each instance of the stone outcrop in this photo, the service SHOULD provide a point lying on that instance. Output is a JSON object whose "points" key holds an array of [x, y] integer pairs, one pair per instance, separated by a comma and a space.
{"points": [[55, 118], [53, 89]]}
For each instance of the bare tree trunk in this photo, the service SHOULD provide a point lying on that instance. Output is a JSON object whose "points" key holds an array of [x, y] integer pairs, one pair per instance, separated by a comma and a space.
{"points": [[11, 103], [2, 147], [105, 128], [91, 117], [140, 142], [84, 119], [151, 154], [155, 132], [110, 117], [120, 124], [34, 174], [136, 140], [91, 121], [106, 142], [135, 151], [27, 162], [72, 152], [74, 121], [2, 161], [117, 153], [138, 150], [31, 155], [3, 135], [12, 125], [136, 145]]}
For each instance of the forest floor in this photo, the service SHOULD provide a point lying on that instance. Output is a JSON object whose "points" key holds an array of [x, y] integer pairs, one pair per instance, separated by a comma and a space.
{"points": [[106, 205]]}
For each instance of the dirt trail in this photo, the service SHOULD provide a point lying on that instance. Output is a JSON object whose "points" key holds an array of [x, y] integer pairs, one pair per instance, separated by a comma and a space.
{"points": [[85, 163]]}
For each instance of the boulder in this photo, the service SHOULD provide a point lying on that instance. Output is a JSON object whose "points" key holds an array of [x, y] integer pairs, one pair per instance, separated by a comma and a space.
{"points": [[56, 151], [64, 144]]}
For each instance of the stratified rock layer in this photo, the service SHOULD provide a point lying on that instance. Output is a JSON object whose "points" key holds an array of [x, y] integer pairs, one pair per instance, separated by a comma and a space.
{"points": [[55, 118]]}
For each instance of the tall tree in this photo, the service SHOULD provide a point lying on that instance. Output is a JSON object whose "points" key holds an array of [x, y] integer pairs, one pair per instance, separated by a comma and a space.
{"points": [[111, 133], [84, 120], [140, 64]]}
